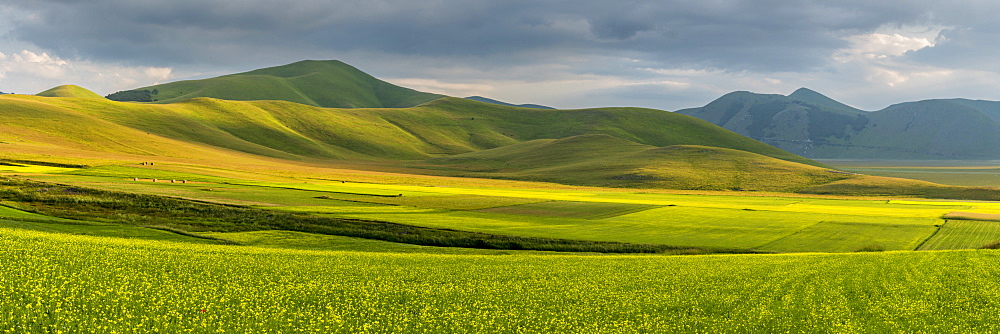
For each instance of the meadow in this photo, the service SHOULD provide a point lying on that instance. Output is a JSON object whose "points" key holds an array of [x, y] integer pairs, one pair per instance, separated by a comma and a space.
{"points": [[631, 220]]}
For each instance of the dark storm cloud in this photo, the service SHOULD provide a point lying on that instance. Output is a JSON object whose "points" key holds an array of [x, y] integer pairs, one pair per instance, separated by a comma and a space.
{"points": [[731, 35]]}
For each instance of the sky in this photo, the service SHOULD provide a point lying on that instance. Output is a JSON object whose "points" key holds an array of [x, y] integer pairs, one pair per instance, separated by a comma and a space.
{"points": [[659, 54]]}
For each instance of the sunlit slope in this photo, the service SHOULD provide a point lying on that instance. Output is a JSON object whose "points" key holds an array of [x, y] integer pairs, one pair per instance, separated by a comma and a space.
{"points": [[318, 83], [602, 160], [295, 131], [69, 91], [490, 124], [45, 128]]}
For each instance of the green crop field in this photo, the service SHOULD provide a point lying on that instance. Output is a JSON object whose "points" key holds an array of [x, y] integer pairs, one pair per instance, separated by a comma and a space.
{"points": [[964, 234], [60, 283], [720, 220]]}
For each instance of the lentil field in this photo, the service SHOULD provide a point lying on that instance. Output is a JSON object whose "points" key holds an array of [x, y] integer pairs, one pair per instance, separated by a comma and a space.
{"points": [[57, 283]]}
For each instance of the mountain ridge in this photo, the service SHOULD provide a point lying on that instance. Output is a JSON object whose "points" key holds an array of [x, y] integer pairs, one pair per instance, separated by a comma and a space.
{"points": [[320, 83], [815, 126]]}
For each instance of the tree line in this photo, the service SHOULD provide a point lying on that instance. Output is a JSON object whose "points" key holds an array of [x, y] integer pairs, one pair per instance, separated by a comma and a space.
{"points": [[134, 95]]}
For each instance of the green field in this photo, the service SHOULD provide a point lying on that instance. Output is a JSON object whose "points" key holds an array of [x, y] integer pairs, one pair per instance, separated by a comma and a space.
{"points": [[964, 234], [60, 283], [720, 220]]}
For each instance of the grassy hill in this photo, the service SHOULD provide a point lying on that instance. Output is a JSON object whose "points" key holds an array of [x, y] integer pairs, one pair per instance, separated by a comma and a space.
{"points": [[812, 125], [489, 100], [69, 91], [300, 132], [328, 83], [603, 160], [618, 147]]}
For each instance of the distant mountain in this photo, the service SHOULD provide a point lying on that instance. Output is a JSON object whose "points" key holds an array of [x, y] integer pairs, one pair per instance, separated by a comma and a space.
{"points": [[69, 91], [812, 125], [489, 100], [328, 83]]}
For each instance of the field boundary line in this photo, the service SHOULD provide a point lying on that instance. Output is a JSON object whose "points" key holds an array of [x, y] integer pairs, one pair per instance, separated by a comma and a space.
{"points": [[939, 227]]}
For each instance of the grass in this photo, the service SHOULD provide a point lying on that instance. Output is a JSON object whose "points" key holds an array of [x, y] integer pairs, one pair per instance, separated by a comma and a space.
{"points": [[145, 173], [714, 220], [606, 161], [311, 241], [78, 283], [187, 216], [69, 91], [588, 210], [964, 234], [665, 149], [831, 236], [300, 132], [105, 230]]}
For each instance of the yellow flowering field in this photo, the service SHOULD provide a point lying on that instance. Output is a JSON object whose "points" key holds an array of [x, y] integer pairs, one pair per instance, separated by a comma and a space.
{"points": [[56, 283]]}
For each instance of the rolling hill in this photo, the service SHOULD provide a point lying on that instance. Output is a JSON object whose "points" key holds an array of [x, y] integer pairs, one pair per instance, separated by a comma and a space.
{"points": [[69, 91], [635, 146], [328, 83], [815, 126], [605, 161], [489, 100], [295, 131]]}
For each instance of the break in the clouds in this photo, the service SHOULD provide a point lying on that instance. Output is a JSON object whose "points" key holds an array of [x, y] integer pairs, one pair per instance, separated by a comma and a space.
{"points": [[33, 72], [567, 53]]}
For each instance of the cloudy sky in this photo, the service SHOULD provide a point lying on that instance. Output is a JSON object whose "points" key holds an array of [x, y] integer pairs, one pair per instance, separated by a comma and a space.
{"points": [[563, 53]]}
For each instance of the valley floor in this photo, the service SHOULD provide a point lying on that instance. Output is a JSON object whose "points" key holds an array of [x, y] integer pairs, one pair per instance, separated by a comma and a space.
{"points": [[750, 221], [920, 268], [978, 173]]}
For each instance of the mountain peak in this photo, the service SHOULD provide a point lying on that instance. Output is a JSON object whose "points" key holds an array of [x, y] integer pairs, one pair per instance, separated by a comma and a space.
{"points": [[803, 91], [320, 83], [810, 96]]}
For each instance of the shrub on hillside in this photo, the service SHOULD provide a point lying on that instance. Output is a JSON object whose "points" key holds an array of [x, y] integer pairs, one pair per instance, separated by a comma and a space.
{"points": [[133, 95]]}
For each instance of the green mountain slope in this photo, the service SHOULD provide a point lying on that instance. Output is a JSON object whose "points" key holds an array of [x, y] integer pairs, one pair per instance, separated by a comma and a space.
{"points": [[603, 160], [991, 108], [295, 131], [815, 98], [328, 83], [812, 125], [285, 130], [69, 91]]}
